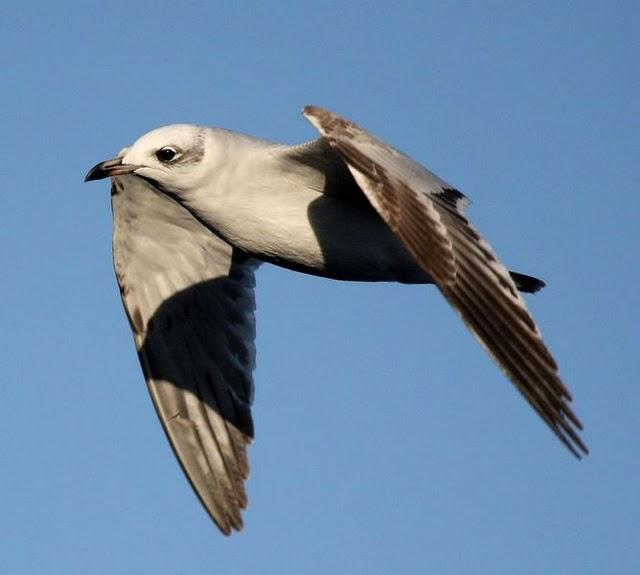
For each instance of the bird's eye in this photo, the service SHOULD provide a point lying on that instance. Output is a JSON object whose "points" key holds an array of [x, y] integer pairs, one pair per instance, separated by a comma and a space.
{"points": [[166, 154]]}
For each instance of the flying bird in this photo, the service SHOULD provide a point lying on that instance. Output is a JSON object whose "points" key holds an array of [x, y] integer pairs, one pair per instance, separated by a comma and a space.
{"points": [[196, 210]]}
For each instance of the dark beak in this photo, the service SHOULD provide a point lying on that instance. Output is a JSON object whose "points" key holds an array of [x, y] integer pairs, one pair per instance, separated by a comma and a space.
{"points": [[109, 168]]}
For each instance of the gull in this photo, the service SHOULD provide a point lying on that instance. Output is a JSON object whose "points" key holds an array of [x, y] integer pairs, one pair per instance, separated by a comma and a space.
{"points": [[197, 209]]}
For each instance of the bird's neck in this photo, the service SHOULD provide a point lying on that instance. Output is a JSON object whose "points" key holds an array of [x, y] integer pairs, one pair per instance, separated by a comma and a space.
{"points": [[258, 200]]}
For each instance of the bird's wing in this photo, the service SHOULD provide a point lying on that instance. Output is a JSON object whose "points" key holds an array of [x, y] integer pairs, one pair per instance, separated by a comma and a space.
{"points": [[427, 214], [189, 299]]}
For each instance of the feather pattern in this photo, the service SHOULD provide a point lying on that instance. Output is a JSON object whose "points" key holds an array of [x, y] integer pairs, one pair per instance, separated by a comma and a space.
{"points": [[427, 214], [189, 299]]}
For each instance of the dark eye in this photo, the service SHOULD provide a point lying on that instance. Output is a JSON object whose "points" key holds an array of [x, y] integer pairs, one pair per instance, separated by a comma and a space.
{"points": [[166, 154]]}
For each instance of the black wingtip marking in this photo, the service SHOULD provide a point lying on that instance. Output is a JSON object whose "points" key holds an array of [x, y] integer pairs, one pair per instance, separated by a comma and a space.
{"points": [[453, 193], [453, 198]]}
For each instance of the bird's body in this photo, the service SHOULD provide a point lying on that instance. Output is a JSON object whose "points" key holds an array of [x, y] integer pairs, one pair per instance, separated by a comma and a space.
{"points": [[295, 206], [203, 207]]}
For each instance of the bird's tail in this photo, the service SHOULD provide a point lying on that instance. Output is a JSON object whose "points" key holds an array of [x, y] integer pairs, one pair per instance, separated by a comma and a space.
{"points": [[527, 284]]}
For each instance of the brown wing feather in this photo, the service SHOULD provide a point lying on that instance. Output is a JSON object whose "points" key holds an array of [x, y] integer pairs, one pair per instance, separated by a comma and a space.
{"points": [[427, 215]]}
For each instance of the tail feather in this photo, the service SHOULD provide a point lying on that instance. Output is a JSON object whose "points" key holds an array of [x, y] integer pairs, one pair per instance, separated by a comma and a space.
{"points": [[527, 284]]}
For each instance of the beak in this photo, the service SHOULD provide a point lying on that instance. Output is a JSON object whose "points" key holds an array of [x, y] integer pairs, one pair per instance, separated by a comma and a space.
{"points": [[109, 168]]}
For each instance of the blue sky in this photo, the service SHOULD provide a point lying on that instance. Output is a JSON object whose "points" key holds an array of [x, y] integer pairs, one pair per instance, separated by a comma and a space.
{"points": [[386, 440]]}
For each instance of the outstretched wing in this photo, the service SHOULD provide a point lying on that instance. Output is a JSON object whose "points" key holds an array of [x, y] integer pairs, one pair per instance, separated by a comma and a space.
{"points": [[427, 214], [189, 299]]}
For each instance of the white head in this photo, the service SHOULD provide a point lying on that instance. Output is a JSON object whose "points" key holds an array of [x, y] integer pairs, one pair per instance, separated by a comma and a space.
{"points": [[172, 157]]}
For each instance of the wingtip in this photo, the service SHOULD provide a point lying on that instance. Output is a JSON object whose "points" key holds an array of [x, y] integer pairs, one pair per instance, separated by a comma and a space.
{"points": [[578, 449], [228, 524], [568, 432]]}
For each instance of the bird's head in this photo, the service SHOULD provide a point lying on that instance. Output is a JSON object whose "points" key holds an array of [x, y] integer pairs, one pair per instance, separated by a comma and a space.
{"points": [[170, 157]]}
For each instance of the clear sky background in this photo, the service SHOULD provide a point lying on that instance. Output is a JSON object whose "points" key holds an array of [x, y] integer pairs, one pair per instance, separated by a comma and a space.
{"points": [[387, 441]]}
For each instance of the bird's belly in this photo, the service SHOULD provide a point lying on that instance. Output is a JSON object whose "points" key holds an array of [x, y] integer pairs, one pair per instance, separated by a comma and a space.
{"points": [[327, 237]]}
